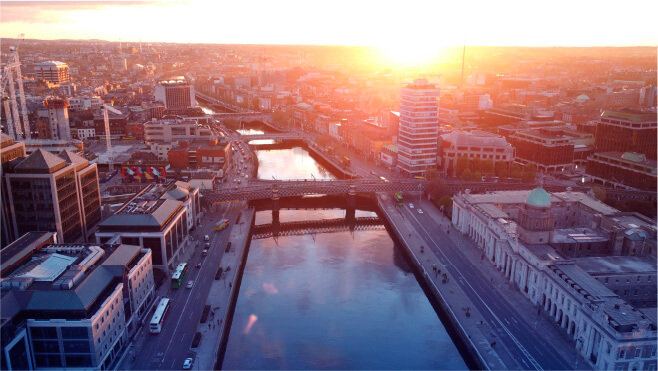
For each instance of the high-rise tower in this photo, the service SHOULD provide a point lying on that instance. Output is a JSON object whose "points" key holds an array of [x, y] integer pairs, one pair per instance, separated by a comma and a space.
{"points": [[419, 126]]}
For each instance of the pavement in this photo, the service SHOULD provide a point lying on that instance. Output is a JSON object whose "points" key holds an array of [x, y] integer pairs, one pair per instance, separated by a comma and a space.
{"points": [[222, 294], [524, 338]]}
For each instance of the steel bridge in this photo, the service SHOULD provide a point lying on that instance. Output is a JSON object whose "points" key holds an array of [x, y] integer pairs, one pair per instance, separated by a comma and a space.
{"points": [[317, 226]]}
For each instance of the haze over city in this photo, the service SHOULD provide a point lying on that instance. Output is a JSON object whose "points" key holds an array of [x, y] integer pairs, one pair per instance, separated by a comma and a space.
{"points": [[328, 185]]}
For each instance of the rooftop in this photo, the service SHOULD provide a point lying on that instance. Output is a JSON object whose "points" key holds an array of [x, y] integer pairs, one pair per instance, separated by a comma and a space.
{"points": [[617, 265], [41, 161], [579, 235], [630, 115]]}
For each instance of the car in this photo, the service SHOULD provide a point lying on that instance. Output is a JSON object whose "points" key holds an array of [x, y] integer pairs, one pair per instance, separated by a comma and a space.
{"points": [[411, 206], [206, 238], [420, 211], [188, 363], [190, 284], [198, 265], [373, 173]]}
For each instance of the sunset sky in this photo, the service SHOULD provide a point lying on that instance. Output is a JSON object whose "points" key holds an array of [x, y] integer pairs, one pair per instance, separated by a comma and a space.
{"points": [[396, 25]]}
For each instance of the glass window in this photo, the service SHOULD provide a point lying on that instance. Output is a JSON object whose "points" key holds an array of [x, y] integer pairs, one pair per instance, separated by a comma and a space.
{"points": [[75, 332], [43, 332], [45, 346], [47, 360], [76, 346], [78, 361]]}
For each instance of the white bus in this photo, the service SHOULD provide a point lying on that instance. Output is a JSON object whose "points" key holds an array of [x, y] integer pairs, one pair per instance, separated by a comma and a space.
{"points": [[159, 316]]}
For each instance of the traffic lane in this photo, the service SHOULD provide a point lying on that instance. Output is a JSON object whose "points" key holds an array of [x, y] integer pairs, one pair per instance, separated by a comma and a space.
{"points": [[203, 279], [521, 330], [511, 351], [509, 359]]}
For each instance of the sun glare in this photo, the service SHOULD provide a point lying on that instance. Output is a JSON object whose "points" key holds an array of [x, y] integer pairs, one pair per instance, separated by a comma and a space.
{"points": [[408, 54]]}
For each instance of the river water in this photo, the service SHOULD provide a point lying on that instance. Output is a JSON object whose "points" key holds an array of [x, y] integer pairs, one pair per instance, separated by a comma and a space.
{"points": [[341, 300]]}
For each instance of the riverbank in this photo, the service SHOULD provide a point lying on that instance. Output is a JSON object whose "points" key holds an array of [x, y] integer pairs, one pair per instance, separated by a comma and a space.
{"points": [[468, 326], [215, 330]]}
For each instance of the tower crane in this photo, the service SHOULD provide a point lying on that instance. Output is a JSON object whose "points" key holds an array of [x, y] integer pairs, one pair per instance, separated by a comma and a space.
{"points": [[108, 138], [14, 127]]}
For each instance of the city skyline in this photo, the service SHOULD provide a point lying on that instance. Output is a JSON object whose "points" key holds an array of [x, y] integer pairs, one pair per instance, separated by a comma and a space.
{"points": [[365, 23]]}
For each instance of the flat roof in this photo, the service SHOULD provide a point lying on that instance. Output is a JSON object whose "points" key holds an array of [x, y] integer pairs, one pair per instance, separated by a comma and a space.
{"points": [[24, 245], [603, 265], [579, 235], [583, 281], [49, 269]]}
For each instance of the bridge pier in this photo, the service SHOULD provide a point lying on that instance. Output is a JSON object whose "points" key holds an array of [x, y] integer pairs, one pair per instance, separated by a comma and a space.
{"points": [[276, 206], [351, 204]]}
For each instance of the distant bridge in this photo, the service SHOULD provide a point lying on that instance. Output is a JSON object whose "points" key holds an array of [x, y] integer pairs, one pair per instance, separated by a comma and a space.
{"points": [[272, 136], [219, 103], [316, 226]]}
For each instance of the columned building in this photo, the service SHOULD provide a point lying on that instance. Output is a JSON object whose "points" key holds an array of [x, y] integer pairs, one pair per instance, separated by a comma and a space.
{"points": [[419, 127], [538, 240]]}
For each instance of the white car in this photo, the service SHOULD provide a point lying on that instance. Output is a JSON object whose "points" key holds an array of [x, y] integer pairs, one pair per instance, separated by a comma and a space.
{"points": [[190, 284], [188, 363], [411, 206], [420, 211]]}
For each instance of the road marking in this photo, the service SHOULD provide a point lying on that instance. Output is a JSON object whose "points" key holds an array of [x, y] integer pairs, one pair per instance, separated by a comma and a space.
{"points": [[516, 342]]}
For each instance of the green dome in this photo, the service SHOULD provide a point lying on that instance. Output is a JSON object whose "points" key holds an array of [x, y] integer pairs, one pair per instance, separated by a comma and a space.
{"points": [[539, 197]]}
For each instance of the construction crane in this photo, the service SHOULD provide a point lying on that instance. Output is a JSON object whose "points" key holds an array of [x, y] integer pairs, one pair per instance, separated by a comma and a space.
{"points": [[108, 138], [13, 66]]}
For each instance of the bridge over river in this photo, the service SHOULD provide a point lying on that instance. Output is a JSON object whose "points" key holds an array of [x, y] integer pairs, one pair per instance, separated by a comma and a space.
{"points": [[316, 226]]}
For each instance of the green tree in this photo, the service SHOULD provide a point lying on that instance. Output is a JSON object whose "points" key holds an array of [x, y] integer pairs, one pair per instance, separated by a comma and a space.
{"points": [[488, 167], [445, 202], [476, 176], [466, 175], [529, 173], [461, 165], [437, 189], [280, 118], [431, 173], [475, 164], [255, 103], [516, 171], [500, 166]]}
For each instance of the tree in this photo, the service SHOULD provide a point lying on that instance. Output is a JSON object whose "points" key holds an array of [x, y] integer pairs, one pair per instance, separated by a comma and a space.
{"points": [[461, 165], [599, 194], [231, 124], [500, 166], [466, 175], [438, 189], [529, 173], [445, 202], [488, 167], [475, 164], [280, 118], [431, 173], [476, 176]]}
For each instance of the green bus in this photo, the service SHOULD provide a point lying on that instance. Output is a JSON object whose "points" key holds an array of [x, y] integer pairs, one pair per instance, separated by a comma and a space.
{"points": [[398, 198], [179, 275]]}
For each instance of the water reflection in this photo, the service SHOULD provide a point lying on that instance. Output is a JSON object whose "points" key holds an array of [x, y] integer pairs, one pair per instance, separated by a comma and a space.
{"points": [[333, 301], [294, 163]]}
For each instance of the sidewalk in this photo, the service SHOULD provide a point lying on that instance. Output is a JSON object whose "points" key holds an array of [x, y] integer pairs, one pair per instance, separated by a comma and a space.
{"points": [[222, 294], [473, 329], [544, 324]]}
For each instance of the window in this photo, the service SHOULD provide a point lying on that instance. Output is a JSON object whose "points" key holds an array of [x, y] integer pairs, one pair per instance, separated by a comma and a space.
{"points": [[621, 353], [638, 352], [43, 332], [75, 333], [76, 346]]}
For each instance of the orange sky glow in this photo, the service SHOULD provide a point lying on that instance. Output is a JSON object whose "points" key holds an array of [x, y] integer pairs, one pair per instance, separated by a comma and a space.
{"points": [[415, 29]]}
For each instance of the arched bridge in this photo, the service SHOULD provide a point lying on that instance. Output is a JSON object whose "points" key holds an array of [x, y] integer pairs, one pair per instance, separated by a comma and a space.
{"points": [[316, 226]]}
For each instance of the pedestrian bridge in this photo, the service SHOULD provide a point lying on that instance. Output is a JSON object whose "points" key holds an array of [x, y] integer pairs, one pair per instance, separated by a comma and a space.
{"points": [[300, 228]]}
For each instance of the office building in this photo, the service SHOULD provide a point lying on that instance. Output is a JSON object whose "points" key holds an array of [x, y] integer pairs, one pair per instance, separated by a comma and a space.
{"points": [[55, 119], [418, 129], [9, 151], [55, 193], [627, 131], [174, 129], [175, 94], [538, 241], [546, 149], [52, 71], [617, 169], [473, 145], [71, 305], [158, 218]]}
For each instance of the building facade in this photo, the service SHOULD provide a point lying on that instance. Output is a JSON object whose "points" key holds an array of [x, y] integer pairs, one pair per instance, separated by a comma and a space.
{"points": [[472, 145], [175, 94], [52, 71], [57, 193], [617, 169], [418, 128], [517, 232], [175, 129], [57, 119], [627, 131], [9, 151], [546, 150]]}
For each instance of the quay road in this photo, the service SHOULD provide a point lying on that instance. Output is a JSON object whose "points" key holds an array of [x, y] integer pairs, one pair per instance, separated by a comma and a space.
{"points": [[520, 338], [168, 350]]}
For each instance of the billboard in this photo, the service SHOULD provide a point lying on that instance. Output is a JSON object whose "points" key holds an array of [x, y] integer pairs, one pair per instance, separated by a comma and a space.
{"points": [[143, 174]]}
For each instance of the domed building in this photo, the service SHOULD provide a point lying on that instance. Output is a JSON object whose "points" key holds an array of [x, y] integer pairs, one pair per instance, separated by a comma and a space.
{"points": [[536, 221]]}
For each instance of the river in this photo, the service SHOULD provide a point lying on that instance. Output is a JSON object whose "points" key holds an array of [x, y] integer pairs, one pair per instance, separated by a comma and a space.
{"points": [[341, 300]]}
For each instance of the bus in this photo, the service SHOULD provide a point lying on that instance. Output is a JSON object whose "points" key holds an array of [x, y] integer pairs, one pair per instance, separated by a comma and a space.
{"points": [[221, 224], [159, 316], [179, 275], [398, 198]]}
